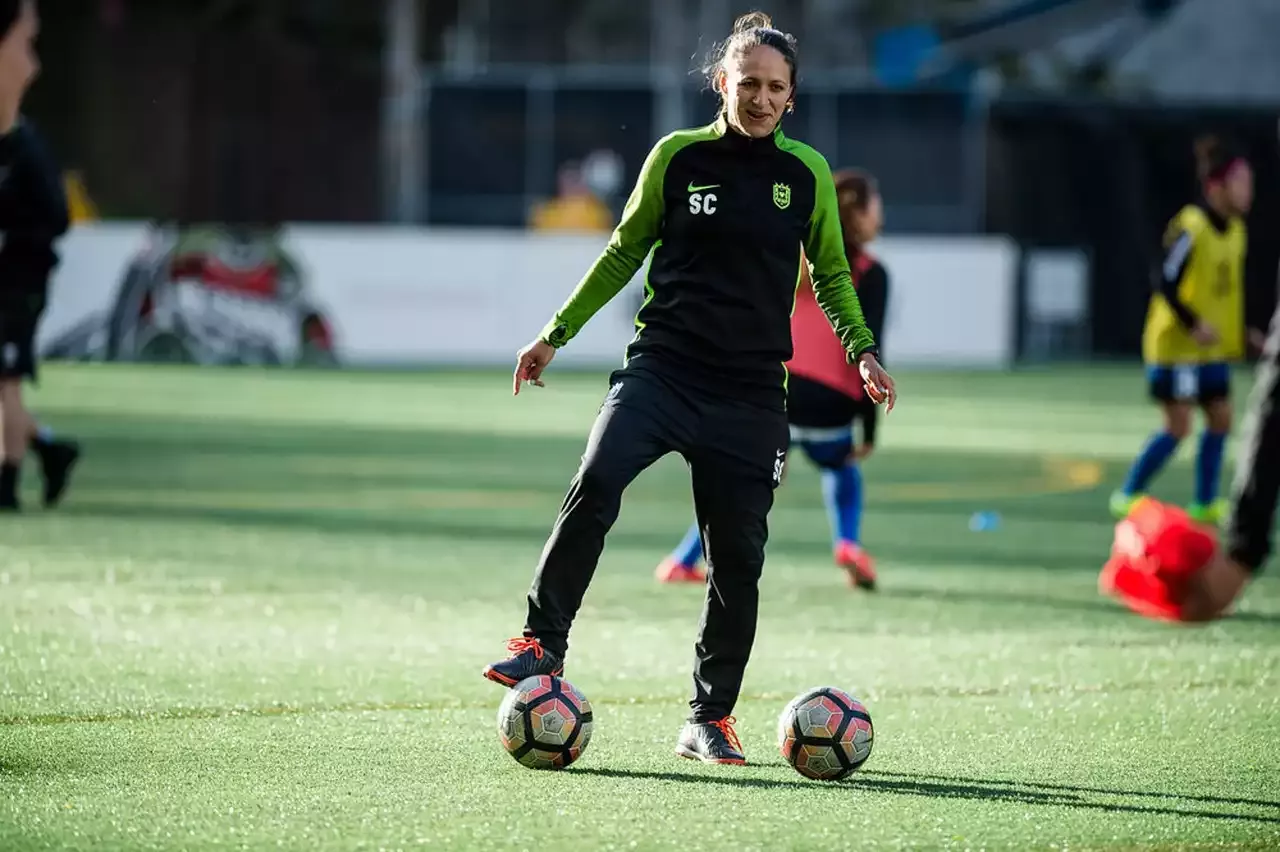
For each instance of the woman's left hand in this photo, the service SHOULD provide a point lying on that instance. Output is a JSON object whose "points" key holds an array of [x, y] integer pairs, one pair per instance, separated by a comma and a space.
{"points": [[879, 384]]}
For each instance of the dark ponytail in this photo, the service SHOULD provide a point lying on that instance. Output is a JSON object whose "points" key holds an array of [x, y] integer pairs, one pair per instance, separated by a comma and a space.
{"points": [[1214, 157], [855, 188]]}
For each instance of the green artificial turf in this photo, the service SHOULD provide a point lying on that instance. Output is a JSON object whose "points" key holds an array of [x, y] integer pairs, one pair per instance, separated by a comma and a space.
{"points": [[260, 618]]}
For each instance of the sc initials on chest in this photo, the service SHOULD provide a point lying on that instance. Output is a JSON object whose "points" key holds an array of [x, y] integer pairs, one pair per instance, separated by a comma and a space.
{"points": [[757, 205]]}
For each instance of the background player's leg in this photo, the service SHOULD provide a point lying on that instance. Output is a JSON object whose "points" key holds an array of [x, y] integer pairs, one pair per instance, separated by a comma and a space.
{"points": [[1176, 415], [17, 433], [842, 494], [842, 491], [681, 566], [841, 486], [1215, 394], [1160, 447], [57, 458], [20, 429], [1209, 460]]}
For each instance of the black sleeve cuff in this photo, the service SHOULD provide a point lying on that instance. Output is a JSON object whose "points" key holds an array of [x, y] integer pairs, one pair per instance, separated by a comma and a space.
{"points": [[873, 350], [1184, 314]]}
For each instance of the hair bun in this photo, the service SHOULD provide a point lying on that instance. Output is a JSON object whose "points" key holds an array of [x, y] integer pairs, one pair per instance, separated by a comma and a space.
{"points": [[753, 21]]}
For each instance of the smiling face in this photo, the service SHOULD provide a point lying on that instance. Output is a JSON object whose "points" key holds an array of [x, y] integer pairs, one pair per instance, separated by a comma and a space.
{"points": [[756, 85]]}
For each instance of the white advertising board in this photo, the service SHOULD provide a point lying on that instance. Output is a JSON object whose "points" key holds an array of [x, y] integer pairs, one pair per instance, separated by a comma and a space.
{"points": [[406, 296]]}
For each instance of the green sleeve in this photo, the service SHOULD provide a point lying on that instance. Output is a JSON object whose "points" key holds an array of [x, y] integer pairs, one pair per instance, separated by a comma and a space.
{"points": [[829, 267], [622, 258]]}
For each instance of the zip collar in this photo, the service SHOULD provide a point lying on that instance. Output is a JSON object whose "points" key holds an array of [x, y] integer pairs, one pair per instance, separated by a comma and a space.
{"points": [[742, 142]]}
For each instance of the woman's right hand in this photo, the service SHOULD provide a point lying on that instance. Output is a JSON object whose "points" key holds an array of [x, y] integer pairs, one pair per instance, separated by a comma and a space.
{"points": [[530, 362]]}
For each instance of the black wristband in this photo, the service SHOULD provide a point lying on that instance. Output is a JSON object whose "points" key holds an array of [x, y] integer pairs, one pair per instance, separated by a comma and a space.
{"points": [[873, 351]]}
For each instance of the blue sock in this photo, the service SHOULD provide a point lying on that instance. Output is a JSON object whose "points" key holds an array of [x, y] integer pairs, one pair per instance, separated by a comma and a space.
{"points": [[842, 491], [690, 549], [1209, 466], [1160, 447]]}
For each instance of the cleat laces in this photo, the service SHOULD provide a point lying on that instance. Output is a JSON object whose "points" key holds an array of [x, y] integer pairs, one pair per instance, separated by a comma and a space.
{"points": [[725, 726], [521, 644]]}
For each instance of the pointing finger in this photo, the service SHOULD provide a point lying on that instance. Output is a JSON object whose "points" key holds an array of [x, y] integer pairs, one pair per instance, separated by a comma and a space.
{"points": [[521, 373]]}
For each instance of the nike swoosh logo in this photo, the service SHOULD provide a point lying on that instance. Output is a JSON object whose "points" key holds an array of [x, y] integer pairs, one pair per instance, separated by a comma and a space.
{"points": [[693, 188]]}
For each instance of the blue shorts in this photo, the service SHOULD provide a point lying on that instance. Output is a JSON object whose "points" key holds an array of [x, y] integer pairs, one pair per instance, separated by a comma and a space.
{"points": [[1189, 382]]}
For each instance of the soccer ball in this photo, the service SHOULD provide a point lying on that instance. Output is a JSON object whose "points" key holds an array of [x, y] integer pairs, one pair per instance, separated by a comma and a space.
{"points": [[544, 722], [825, 733]]}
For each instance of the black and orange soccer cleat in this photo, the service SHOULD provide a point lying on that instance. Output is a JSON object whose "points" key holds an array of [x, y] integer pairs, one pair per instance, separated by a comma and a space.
{"points": [[711, 742], [528, 658]]}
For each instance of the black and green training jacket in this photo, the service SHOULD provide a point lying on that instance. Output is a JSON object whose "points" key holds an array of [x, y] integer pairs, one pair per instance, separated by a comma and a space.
{"points": [[726, 216]]}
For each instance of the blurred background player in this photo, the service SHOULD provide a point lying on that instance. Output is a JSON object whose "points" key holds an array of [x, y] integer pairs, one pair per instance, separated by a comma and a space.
{"points": [[1195, 327], [33, 215], [1165, 566], [825, 393], [576, 207]]}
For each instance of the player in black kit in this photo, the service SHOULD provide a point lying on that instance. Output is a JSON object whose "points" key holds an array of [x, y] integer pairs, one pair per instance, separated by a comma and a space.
{"points": [[1165, 566], [33, 215], [726, 210]]}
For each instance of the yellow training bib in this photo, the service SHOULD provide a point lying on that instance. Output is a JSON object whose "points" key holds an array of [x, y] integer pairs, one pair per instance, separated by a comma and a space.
{"points": [[1212, 286]]}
